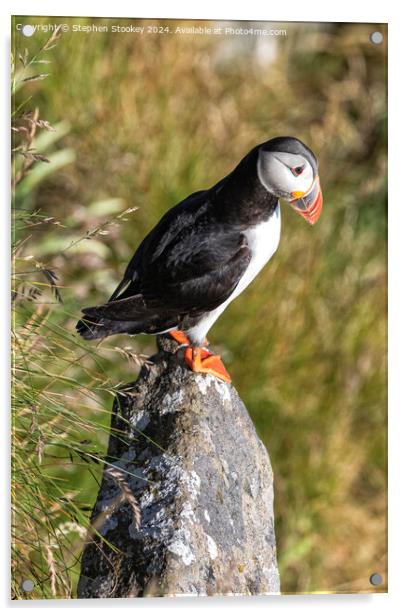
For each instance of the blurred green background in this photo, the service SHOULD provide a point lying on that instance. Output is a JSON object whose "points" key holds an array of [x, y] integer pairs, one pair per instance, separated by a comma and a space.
{"points": [[141, 121]]}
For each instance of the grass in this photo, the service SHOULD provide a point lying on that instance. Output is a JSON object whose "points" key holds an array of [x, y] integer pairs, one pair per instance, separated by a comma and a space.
{"points": [[139, 124]]}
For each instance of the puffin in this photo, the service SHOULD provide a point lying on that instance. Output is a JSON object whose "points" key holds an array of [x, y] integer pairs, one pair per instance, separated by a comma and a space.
{"points": [[207, 249]]}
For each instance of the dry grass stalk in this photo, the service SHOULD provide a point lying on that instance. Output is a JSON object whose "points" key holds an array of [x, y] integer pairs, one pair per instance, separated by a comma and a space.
{"points": [[52, 567], [118, 476]]}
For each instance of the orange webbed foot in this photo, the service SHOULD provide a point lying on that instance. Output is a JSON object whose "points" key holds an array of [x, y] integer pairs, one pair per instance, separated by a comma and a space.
{"points": [[201, 360]]}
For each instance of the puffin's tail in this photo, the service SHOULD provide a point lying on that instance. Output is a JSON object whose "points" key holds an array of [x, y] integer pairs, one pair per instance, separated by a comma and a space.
{"points": [[129, 315], [94, 328]]}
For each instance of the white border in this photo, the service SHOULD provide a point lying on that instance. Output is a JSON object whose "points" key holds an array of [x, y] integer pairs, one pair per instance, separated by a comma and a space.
{"points": [[293, 10]]}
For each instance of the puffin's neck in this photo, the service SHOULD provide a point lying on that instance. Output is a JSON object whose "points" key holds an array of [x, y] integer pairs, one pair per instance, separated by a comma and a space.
{"points": [[241, 198]]}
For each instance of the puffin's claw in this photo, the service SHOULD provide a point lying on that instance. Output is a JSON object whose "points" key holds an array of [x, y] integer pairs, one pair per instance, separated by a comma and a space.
{"points": [[201, 360]]}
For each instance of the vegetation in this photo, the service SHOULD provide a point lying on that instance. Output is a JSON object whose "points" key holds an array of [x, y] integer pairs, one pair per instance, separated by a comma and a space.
{"points": [[109, 131]]}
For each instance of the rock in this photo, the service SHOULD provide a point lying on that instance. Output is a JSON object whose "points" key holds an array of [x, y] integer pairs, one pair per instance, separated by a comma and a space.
{"points": [[186, 501]]}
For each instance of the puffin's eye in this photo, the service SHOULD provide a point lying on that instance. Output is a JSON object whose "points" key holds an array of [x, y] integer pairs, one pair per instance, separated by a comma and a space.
{"points": [[297, 170]]}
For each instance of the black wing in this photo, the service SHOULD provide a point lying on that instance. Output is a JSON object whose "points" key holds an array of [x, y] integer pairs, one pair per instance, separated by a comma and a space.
{"points": [[197, 273], [169, 294], [188, 264], [166, 230]]}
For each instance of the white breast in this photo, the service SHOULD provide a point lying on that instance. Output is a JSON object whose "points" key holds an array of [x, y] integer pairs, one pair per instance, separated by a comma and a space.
{"points": [[263, 241]]}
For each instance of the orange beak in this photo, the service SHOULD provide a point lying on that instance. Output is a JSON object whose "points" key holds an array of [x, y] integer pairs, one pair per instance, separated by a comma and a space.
{"points": [[309, 205]]}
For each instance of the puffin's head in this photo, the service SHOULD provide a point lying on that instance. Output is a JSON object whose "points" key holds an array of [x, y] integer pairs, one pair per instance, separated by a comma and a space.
{"points": [[289, 170]]}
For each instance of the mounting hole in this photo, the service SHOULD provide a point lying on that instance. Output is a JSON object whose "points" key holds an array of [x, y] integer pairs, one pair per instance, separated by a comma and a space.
{"points": [[376, 579], [27, 585], [28, 30], [376, 38]]}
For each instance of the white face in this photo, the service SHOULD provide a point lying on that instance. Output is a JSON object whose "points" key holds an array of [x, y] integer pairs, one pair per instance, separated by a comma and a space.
{"points": [[288, 176]]}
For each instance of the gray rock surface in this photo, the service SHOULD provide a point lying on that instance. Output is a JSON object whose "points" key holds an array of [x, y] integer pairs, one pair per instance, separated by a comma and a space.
{"points": [[186, 501]]}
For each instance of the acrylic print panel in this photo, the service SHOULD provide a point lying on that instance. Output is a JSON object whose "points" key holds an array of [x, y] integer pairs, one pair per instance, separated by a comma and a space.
{"points": [[135, 476]]}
